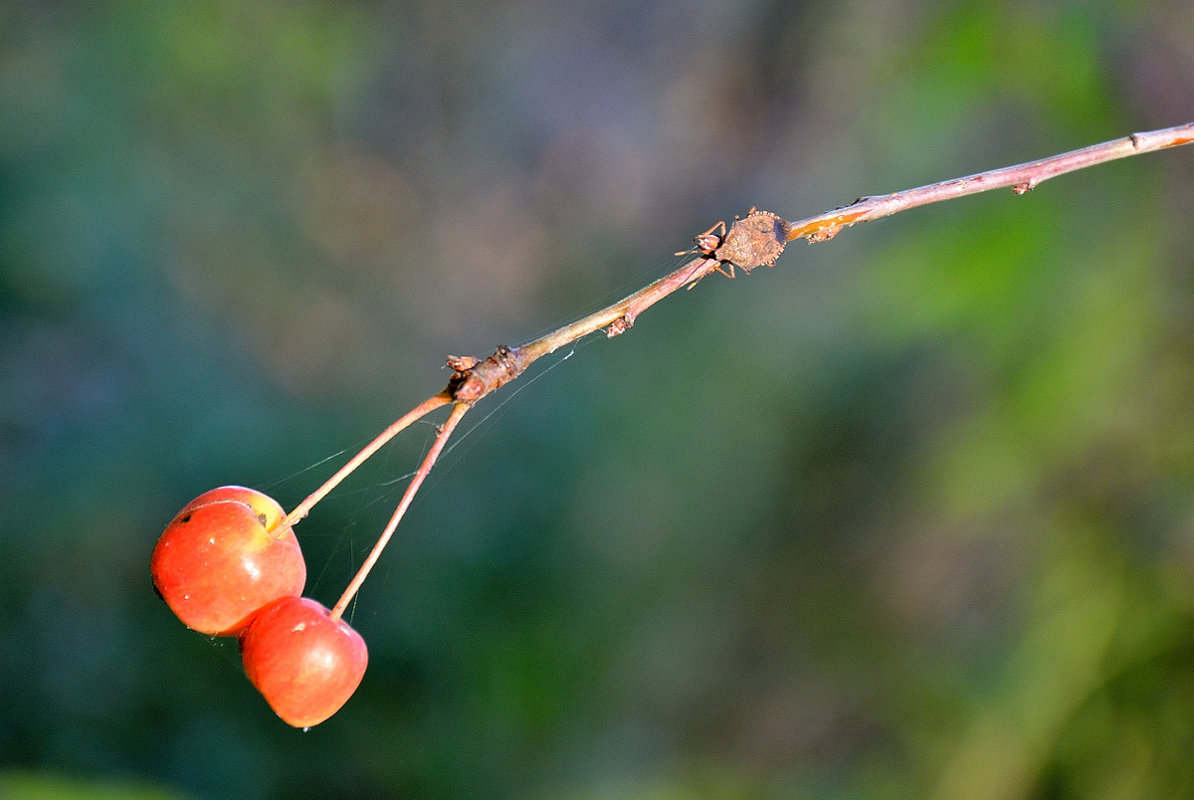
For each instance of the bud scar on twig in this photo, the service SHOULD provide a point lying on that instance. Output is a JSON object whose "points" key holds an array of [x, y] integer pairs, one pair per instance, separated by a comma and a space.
{"points": [[755, 240]]}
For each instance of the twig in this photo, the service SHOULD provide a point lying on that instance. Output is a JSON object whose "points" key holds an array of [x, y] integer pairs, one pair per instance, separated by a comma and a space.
{"points": [[759, 238], [1023, 178], [753, 241]]}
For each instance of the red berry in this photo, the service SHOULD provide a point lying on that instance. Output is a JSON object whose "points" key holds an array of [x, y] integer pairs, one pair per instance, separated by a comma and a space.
{"points": [[227, 553], [303, 662]]}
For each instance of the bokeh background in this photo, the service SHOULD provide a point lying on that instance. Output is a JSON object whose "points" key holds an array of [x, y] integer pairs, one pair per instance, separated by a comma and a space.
{"points": [[910, 516]]}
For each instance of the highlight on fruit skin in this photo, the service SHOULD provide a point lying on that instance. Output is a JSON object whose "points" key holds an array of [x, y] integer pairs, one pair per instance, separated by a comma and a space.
{"points": [[305, 664], [224, 556]]}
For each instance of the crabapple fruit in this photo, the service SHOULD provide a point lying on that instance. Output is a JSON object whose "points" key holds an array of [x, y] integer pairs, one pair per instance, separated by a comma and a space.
{"points": [[305, 664], [227, 553]]}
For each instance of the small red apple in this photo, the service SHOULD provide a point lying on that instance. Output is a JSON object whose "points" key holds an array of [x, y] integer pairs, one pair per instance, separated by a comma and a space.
{"points": [[303, 662], [224, 556]]}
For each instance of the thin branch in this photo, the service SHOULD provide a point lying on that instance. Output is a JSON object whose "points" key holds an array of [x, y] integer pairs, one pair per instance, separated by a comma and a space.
{"points": [[441, 439], [753, 241], [759, 238], [418, 412], [1022, 178]]}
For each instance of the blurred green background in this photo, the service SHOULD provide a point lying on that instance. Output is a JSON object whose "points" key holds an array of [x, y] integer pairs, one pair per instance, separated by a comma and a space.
{"points": [[910, 516]]}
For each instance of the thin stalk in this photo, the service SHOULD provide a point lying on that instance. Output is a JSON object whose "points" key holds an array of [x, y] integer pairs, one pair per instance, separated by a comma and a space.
{"points": [[441, 439], [418, 412], [751, 242], [1023, 178], [627, 309]]}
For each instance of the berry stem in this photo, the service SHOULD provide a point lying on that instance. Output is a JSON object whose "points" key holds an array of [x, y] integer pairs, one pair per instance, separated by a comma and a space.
{"points": [[418, 412], [441, 439]]}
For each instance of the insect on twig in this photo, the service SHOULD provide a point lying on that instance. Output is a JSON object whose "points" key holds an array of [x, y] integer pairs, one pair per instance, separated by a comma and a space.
{"points": [[707, 244], [755, 240]]}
